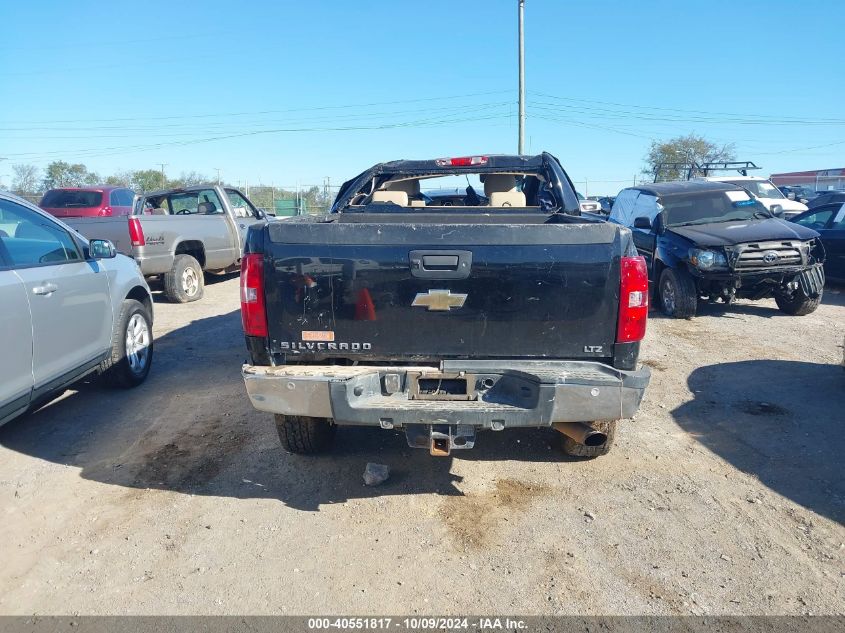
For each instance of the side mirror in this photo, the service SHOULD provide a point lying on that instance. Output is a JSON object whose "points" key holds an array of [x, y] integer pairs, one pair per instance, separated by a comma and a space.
{"points": [[643, 223], [101, 249]]}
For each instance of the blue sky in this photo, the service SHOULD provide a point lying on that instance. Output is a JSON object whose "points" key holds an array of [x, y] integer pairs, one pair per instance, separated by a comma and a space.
{"points": [[296, 91]]}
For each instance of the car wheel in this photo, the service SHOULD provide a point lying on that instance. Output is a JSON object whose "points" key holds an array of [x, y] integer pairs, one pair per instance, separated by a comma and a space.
{"points": [[678, 296], [302, 435], [132, 347], [798, 304], [184, 282], [574, 449]]}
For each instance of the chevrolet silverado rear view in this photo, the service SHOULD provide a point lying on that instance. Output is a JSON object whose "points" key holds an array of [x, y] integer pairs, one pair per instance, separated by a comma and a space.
{"points": [[505, 308]]}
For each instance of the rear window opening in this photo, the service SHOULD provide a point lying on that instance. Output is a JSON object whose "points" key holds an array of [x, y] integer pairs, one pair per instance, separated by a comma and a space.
{"points": [[68, 199], [489, 190]]}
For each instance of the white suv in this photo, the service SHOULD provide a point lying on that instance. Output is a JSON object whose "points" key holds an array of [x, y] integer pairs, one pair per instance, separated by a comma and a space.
{"points": [[69, 307], [769, 195]]}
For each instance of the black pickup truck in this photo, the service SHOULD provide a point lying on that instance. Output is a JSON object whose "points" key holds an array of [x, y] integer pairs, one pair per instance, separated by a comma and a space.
{"points": [[511, 310]]}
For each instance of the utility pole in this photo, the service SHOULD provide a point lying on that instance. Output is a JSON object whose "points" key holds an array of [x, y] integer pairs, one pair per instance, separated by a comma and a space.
{"points": [[217, 169], [521, 148], [163, 181]]}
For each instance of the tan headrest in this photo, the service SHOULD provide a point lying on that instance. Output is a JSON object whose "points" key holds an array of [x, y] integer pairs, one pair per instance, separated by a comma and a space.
{"points": [[507, 199], [396, 197], [411, 187], [499, 183]]}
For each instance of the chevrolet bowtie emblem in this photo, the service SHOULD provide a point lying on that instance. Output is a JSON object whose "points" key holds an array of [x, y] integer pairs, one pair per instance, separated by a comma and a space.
{"points": [[441, 300]]}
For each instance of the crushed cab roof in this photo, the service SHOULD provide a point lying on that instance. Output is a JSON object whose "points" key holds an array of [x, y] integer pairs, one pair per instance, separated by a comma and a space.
{"points": [[494, 162]]}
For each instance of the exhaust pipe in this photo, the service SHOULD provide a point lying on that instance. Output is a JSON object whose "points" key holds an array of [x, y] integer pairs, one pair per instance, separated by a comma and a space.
{"points": [[581, 433]]}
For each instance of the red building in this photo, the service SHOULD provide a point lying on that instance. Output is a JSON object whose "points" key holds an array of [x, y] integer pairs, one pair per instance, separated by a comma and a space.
{"points": [[819, 180]]}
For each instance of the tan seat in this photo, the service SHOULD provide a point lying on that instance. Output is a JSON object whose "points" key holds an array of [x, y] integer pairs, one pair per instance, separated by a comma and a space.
{"points": [[501, 190], [396, 197], [410, 187]]}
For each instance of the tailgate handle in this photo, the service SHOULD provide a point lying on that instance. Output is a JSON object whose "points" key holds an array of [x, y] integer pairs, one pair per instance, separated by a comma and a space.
{"points": [[448, 262], [440, 264]]}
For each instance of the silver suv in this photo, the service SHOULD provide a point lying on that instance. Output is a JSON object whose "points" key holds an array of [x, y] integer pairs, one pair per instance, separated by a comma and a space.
{"points": [[69, 307]]}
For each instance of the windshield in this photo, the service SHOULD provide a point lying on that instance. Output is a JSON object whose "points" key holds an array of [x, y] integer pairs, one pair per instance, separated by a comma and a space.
{"points": [[760, 188], [711, 206], [65, 199]]}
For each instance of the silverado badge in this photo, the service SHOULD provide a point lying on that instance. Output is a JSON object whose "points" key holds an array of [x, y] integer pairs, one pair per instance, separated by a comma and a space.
{"points": [[439, 300]]}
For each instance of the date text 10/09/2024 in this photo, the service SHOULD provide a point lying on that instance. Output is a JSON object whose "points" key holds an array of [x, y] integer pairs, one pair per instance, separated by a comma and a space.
{"points": [[417, 623]]}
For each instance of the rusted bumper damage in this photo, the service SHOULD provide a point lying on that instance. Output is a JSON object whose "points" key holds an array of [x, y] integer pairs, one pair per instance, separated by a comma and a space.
{"points": [[480, 394]]}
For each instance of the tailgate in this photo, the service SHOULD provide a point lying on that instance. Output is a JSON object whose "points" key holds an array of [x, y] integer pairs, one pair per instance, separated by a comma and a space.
{"points": [[421, 291], [114, 229]]}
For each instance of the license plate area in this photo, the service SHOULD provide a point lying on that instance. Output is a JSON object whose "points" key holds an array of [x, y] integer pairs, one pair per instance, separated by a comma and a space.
{"points": [[442, 386]]}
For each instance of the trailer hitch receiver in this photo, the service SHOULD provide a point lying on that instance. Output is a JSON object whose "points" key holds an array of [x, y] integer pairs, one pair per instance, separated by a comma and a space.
{"points": [[440, 439]]}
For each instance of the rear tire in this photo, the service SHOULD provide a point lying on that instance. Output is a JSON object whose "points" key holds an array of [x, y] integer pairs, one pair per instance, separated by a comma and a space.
{"points": [[132, 347], [678, 296], [574, 449], [184, 282], [798, 304], [302, 435]]}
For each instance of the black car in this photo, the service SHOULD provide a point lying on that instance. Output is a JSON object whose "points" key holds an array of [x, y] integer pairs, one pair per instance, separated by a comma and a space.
{"points": [[829, 221], [799, 192], [712, 241], [826, 197]]}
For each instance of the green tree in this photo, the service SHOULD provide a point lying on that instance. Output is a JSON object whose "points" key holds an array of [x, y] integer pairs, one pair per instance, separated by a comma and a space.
{"points": [[145, 180], [25, 181], [62, 174], [120, 179], [691, 148], [188, 179]]}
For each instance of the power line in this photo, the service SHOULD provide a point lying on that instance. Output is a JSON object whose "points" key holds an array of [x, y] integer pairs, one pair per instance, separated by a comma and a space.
{"points": [[94, 152], [604, 113], [591, 102], [193, 128], [96, 42], [802, 149], [261, 112]]}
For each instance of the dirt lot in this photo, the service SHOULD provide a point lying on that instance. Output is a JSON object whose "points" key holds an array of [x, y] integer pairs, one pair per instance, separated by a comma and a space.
{"points": [[725, 496]]}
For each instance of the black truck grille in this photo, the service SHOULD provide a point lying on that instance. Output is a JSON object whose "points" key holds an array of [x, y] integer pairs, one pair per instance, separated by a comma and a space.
{"points": [[761, 255]]}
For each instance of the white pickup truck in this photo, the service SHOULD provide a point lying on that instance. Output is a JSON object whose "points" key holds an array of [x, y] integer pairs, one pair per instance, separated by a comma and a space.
{"points": [[179, 233]]}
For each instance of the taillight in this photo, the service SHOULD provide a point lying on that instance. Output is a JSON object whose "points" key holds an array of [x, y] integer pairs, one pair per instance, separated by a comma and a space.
{"points": [[253, 313], [462, 161], [633, 300], [136, 233], [105, 211]]}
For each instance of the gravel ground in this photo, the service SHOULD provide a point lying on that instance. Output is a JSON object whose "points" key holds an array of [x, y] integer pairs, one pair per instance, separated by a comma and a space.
{"points": [[724, 496]]}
